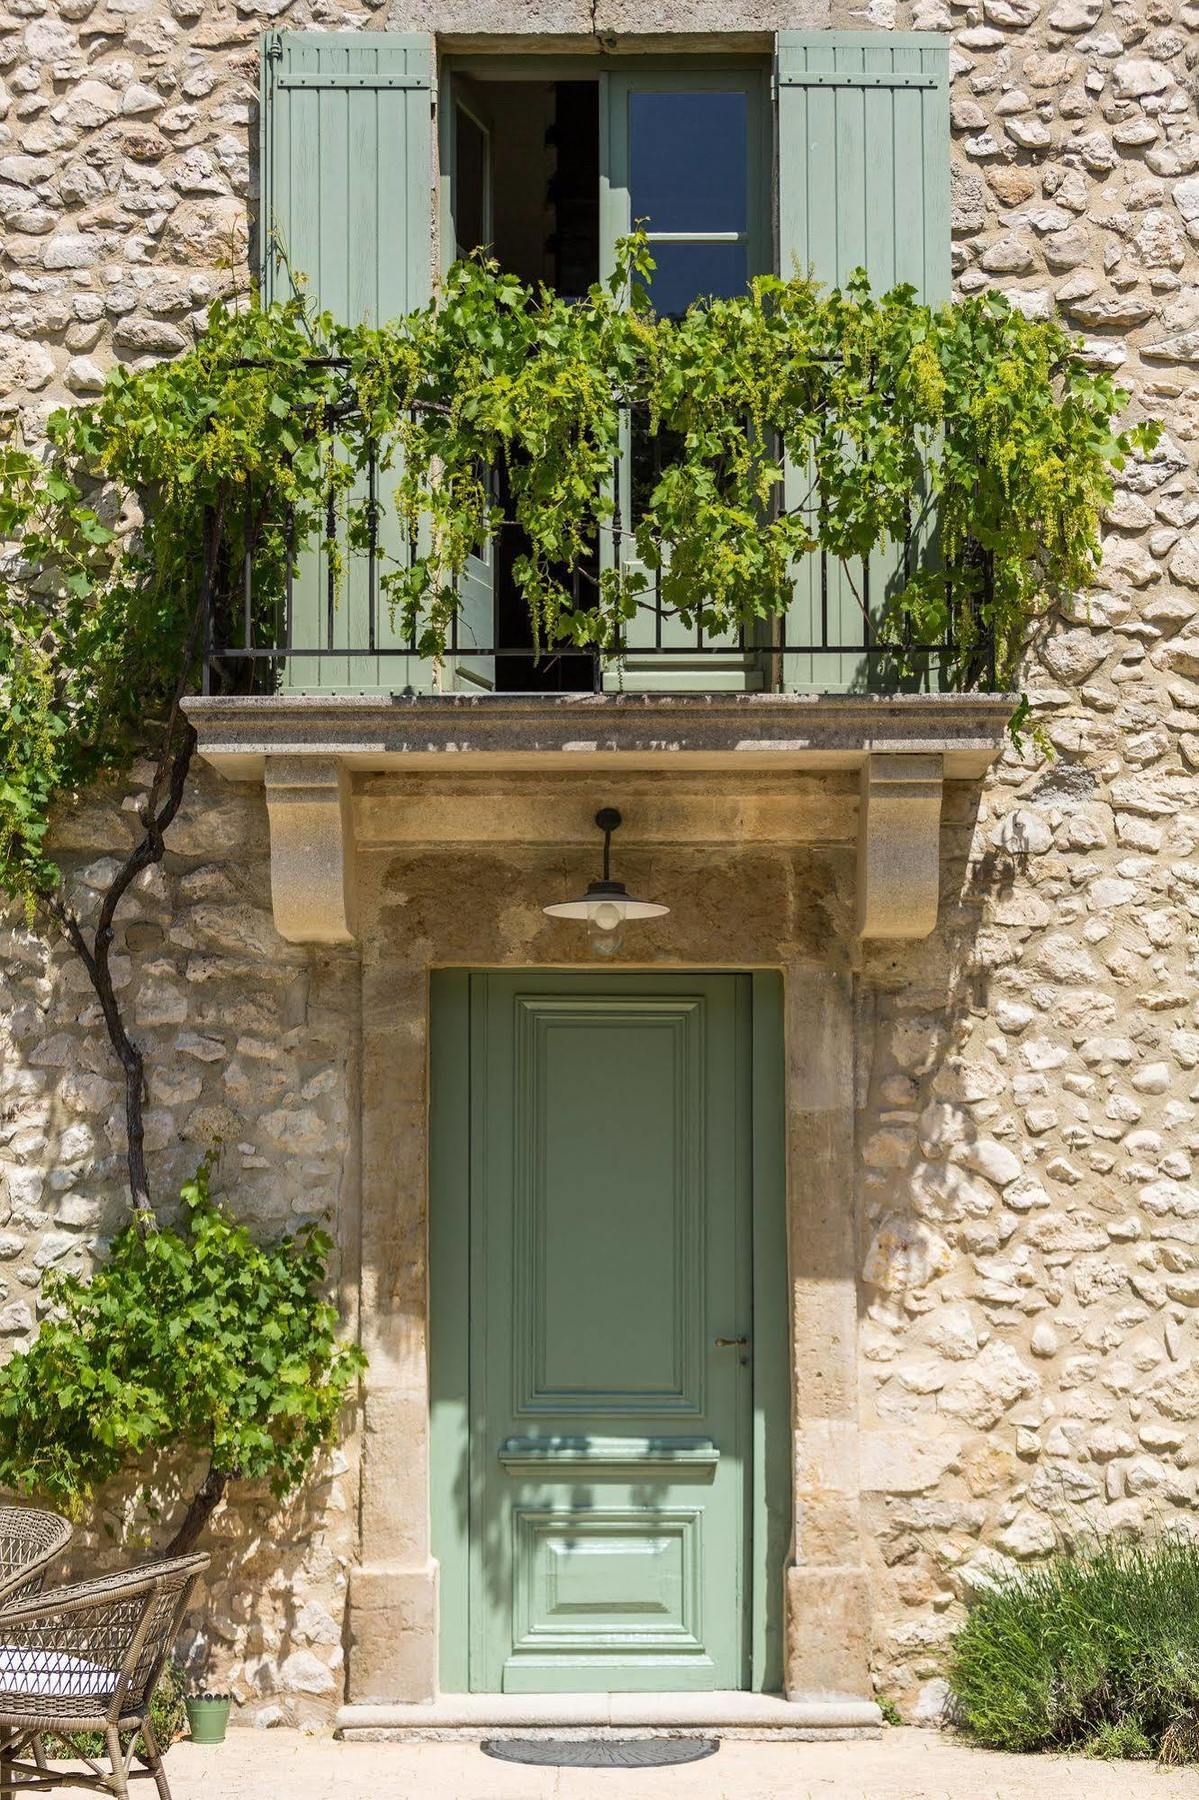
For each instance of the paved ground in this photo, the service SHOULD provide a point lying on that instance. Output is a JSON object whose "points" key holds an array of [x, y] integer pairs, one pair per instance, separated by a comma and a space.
{"points": [[902, 1765]]}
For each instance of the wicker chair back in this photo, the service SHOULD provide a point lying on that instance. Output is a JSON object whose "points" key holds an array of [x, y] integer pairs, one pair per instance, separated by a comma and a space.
{"points": [[30, 1540], [77, 1657]]}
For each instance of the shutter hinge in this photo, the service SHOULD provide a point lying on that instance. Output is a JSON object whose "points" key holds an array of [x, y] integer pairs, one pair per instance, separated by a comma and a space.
{"points": [[273, 47], [859, 78]]}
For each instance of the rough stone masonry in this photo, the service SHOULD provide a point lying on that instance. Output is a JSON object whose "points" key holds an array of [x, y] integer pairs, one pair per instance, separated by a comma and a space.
{"points": [[1028, 1077]]}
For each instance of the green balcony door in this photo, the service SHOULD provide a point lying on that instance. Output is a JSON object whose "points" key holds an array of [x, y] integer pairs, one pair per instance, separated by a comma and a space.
{"points": [[606, 1501]]}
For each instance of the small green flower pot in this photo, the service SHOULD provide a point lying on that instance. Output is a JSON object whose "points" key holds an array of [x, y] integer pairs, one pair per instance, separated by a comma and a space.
{"points": [[208, 1717]]}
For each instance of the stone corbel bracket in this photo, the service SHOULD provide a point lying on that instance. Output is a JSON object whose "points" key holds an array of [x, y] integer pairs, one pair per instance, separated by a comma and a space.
{"points": [[899, 845], [312, 849], [305, 745]]}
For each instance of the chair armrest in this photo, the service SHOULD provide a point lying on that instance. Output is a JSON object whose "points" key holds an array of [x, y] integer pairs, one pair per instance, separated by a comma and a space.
{"points": [[122, 1585]]}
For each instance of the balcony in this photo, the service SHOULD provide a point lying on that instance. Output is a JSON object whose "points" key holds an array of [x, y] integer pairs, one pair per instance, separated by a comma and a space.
{"points": [[312, 687], [328, 631]]}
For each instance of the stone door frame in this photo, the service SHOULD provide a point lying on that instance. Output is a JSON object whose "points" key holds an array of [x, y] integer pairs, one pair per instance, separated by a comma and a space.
{"points": [[393, 1600]]}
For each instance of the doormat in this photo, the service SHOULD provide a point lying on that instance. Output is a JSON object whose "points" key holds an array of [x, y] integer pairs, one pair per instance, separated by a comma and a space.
{"points": [[601, 1753]]}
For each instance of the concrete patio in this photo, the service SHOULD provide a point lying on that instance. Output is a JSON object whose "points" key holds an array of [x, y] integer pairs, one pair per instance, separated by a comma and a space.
{"points": [[902, 1765]]}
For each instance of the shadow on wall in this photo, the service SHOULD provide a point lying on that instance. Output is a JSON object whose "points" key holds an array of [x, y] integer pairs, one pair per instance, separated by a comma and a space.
{"points": [[266, 1619]]}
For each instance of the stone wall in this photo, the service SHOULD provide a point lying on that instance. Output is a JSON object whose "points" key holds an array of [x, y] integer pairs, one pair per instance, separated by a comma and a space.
{"points": [[1029, 1222], [250, 1048], [1027, 1078]]}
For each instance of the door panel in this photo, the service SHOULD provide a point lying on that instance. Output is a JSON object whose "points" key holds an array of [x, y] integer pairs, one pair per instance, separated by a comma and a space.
{"points": [[609, 1226], [627, 1572], [618, 1077]]}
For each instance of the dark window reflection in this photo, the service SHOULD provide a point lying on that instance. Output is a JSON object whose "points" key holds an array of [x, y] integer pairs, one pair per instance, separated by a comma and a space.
{"points": [[688, 160], [685, 272], [650, 455], [574, 188]]}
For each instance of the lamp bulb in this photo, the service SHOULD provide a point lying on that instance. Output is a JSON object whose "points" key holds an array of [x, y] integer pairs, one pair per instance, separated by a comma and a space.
{"points": [[607, 916]]}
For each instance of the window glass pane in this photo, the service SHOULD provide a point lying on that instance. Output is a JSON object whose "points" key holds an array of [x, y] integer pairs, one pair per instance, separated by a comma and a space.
{"points": [[470, 183], [688, 160], [685, 272]]}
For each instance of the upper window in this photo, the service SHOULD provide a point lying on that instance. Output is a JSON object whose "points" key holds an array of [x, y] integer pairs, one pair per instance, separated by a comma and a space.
{"points": [[829, 155], [689, 184], [556, 171]]}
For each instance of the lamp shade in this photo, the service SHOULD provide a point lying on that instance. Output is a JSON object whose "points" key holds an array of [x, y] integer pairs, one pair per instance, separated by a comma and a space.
{"points": [[606, 904]]}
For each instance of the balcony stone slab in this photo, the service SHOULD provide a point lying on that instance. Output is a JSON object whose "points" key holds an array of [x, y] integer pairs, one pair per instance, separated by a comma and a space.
{"points": [[313, 752]]}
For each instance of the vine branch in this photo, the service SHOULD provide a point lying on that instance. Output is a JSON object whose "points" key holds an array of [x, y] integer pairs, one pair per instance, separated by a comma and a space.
{"points": [[156, 813], [201, 1507]]}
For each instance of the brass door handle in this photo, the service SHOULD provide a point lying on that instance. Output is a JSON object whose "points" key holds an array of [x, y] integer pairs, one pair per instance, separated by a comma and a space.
{"points": [[730, 1343]]}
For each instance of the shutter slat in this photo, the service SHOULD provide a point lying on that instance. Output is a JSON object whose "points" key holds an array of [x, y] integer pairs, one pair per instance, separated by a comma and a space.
{"points": [[863, 181], [347, 185]]}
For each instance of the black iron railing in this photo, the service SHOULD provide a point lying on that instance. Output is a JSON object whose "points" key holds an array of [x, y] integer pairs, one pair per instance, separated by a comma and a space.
{"points": [[327, 631]]}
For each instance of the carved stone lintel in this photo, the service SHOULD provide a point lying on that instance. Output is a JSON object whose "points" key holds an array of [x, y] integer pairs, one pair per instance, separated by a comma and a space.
{"points": [[899, 846], [312, 849]]}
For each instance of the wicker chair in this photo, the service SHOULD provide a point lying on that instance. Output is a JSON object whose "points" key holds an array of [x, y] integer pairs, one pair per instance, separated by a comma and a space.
{"points": [[86, 1659], [29, 1542]]}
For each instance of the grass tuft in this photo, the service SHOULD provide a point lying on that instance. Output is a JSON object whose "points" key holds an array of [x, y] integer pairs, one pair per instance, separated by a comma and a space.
{"points": [[1094, 1650]]}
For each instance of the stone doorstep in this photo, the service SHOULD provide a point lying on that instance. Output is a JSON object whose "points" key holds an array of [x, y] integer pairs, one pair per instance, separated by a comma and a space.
{"points": [[733, 1714]]}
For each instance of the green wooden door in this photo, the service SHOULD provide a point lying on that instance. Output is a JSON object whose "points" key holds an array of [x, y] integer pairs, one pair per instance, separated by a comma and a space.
{"points": [[610, 1429]]}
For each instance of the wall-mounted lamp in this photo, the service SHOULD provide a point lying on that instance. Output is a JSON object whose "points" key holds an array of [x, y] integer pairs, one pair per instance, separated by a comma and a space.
{"points": [[607, 904]]}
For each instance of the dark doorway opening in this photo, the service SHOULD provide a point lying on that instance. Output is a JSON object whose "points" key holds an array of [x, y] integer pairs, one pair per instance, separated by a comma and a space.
{"points": [[539, 196]]}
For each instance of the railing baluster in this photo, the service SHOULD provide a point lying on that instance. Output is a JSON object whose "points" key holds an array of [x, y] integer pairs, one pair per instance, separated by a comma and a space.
{"points": [[907, 573], [206, 529], [331, 580], [289, 581], [824, 600], [247, 571], [372, 544]]}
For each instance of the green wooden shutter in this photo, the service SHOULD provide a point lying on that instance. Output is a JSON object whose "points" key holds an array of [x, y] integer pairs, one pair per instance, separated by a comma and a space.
{"points": [[347, 200], [863, 182]]}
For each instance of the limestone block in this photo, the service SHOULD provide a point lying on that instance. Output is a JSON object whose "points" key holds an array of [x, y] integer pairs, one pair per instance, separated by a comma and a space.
{"points": [[904, 1253], [982, 1394], [1030, 1534], [828, 1633], [393, 1634], [896, 1462], [91, 103]]}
